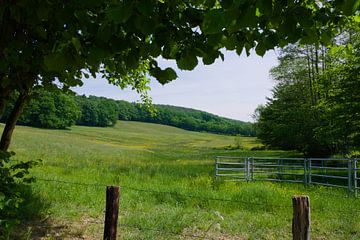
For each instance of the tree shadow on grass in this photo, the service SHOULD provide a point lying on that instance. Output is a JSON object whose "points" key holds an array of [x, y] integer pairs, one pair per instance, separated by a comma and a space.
{"points": [[35, 222]]}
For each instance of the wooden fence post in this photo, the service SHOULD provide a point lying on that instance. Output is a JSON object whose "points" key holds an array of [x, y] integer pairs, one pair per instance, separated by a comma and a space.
{"points": [[301, 218], [111, 214]]}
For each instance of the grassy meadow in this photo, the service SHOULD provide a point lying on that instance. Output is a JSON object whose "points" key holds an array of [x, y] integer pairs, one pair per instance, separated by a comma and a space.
{"points": [[179, 164]]}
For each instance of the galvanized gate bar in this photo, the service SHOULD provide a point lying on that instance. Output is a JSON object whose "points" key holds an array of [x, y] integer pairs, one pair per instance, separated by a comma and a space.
{"points": [[319, 171], [355, 177]]}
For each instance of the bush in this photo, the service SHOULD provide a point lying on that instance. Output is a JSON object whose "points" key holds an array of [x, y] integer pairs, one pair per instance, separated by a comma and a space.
{"points": [[259, 148], [354, 154], [47, 110], [97, 111], [13, 175]]}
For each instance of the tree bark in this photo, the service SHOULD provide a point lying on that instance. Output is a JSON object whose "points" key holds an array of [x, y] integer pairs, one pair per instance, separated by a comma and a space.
{"points": [[4, 97], [301, 218], [310, 76], [11, 121], [112, 211]]}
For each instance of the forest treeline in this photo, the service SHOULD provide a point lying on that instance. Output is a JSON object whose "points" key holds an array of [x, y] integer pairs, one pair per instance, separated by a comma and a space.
{"points": [[315, 107], [58, 111]]}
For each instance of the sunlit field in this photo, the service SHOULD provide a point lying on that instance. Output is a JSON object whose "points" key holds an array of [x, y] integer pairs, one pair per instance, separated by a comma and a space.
{"points": [[168, 190]]}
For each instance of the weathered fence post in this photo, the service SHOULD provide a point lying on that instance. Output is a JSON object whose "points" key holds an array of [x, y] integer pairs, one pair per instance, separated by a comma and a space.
{"points": [[111, 214], [301, 218]]}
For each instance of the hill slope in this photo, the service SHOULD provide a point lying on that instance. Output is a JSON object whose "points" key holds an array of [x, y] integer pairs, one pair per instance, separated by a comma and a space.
{"points": [[59, 111], [185, 118], [157, 167]]}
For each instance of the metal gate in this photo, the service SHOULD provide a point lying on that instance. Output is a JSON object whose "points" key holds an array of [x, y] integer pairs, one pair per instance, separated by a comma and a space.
{"points": [[334, 172]]}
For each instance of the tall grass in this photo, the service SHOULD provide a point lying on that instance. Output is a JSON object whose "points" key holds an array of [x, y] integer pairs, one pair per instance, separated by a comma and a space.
{"points": [[185, 200]]}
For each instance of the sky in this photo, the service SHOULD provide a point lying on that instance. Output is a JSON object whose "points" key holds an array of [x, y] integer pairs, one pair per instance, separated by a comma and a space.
{"points": [[231, 88]]}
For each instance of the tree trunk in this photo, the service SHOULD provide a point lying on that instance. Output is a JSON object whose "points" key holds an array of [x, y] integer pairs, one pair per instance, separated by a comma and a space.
{"points": [[310, 76], [317, 59], [4, 98], [11, 121]]}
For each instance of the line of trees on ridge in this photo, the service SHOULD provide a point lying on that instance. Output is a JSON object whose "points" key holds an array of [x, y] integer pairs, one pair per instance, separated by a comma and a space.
{"points": [[57, 110]]}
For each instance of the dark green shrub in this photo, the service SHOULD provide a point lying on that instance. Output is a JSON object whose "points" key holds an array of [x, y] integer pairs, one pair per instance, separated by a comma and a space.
{"points": [[54, 110], [13, 175]]}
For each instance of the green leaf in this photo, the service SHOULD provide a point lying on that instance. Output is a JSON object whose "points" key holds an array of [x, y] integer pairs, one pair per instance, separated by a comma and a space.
{"points": [[19, 175], [154, 49], [247, 17], [222, 56], [121, 13], [170, 50], [41, 31], [214, 39], [270, 40], [264, 6], [357, 19], [306, 20], [260, 49], [214, 21], [210, 57], [76, 42], [310, 37], [43, 11], [248, 47], [230, 42], [326, 37], [145, 25], [132, 62], [226, 3], [5, 81], [350, 6], [86, 75], [239, 48], [210, 3], [55, 62], [187, 61], [15, 13], [164, 76], [2, 9], [2, 196], [104, 33], [145, 7]]}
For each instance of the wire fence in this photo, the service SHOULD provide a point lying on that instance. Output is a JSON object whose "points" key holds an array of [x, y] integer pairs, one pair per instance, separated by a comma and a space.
{"points": [[185, 195], [176, 193], [162, 231]]}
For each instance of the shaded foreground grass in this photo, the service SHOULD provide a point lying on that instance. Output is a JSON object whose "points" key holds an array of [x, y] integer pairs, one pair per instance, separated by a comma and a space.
{"points": [[184, 201]]}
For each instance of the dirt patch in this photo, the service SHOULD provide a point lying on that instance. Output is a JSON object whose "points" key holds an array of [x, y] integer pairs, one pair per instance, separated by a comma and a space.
{"points": [[193, 233]]}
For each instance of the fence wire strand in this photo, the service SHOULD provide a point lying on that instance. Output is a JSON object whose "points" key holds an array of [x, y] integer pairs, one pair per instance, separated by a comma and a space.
{"points": [[72, 183], [203, 198], [169, 193], [124, 187], [163, 231]]}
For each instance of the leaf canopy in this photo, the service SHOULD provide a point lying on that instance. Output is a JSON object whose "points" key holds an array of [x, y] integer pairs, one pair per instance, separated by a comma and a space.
{"points": [[51, 42]]}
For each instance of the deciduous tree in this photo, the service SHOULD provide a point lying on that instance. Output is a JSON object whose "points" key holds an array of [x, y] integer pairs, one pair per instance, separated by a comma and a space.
{"points": [[315, 105], [56, 43]]}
